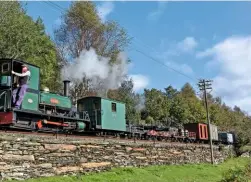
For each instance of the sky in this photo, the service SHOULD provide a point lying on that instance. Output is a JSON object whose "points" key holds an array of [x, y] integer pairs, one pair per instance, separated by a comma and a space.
{"points": [[210, 40]]}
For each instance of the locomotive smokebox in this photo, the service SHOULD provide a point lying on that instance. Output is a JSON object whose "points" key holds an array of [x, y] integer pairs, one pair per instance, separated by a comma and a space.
{"points": [[66, 87]]}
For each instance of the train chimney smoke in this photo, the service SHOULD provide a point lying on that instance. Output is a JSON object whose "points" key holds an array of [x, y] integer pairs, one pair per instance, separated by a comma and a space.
{"points": [[66, 87]]}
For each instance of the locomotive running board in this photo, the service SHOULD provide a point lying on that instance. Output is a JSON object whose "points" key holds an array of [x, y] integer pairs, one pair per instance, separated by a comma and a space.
{"points": [[49, 115]]}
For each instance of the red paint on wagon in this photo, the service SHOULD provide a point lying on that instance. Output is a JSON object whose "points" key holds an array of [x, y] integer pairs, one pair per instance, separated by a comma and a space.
{"points": [[200, 129]]}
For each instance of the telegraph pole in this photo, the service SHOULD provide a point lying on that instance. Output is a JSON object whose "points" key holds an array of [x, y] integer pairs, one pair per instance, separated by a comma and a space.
{"points": [[204, 86]]}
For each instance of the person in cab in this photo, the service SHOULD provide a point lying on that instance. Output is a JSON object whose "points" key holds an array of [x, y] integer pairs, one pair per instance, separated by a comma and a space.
{"points": [[19, 92]]}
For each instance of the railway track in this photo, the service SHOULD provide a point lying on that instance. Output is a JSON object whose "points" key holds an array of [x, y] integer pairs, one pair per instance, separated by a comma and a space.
{"points": [[87, 137]]}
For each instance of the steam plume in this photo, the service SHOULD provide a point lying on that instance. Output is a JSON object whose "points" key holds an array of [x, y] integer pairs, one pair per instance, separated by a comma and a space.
{"points": [[98, 69]]}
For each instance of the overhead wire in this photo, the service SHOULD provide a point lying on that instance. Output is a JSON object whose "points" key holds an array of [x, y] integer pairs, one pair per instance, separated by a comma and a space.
{"points": [[160, 62]]}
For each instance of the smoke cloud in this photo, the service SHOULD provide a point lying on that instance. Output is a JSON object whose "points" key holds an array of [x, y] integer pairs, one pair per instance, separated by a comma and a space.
{"points": [[141, 103], [98, 70]]}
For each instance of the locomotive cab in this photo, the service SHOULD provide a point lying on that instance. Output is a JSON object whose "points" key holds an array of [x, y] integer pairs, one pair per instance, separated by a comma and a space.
{"points": [[8, 82], [5, 85], [16, 67], [39, 110]]}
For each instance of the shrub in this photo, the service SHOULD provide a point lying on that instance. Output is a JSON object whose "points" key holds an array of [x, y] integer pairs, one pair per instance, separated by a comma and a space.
{"points": [[238, 174]]}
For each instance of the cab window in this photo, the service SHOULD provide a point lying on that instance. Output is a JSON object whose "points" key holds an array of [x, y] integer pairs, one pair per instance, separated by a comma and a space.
{"points": [[114, 109], [5, 68]]}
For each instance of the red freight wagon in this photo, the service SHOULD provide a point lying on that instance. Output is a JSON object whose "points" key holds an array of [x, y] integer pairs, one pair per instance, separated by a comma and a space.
{"points": [[200, 129]]}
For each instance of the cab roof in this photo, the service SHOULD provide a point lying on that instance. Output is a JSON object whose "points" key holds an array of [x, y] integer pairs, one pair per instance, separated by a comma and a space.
{"points": [[98, 97], [20, 61]]}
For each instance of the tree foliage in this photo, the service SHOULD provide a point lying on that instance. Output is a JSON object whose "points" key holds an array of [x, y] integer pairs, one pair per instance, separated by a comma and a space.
{"points": [[81, 29], [196, 112], [156, 104], [174, 106], [25, 39]]}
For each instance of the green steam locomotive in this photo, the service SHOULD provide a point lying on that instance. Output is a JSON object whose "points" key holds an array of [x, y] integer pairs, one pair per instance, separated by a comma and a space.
{"points": [[42, 110]]}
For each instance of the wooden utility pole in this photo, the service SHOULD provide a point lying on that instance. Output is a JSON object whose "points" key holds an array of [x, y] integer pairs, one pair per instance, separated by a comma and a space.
{"points": [[204, 86]]}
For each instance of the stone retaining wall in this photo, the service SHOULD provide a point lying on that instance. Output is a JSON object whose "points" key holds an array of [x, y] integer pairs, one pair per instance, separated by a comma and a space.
{"points": [[23, 157]]}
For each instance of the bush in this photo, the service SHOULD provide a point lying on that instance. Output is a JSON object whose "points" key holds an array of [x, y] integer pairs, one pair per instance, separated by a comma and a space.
{"points": [[238, 174]]}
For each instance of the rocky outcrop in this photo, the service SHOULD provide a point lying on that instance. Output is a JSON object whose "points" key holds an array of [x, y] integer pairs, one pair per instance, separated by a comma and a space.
{"points": [[23, 157]]}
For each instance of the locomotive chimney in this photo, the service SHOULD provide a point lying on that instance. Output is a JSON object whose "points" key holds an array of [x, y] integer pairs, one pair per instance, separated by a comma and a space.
{"points": [[66, 87]]}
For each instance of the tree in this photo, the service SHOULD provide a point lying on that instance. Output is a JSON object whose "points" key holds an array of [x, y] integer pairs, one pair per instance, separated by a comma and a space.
{"points": [[114, 40], [179, 110], [243, 139], [25, 39], [81, 30], [187, 91], [196, 112], [215, 113], [149, 120], [131, 99], [218, 100], [170, 92], [237, 109], [156, 103]]}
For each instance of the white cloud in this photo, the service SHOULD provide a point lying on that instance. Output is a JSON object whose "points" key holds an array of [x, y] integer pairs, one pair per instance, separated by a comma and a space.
{"points": [[139, 81], [154, 15], [233, 59], [104, 10], [188, 44], [176, 48], [184, 68]]}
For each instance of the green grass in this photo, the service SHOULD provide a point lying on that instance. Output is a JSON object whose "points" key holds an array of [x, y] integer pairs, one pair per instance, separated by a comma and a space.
{"points": [[173, 173], [247, 147]]}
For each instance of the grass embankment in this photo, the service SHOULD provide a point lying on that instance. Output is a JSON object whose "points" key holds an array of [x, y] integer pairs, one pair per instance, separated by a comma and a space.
{"points": [[181, 173]]}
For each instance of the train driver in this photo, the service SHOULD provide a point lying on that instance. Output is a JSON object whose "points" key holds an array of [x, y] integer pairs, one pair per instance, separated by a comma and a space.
{"points": [[19, 92]]}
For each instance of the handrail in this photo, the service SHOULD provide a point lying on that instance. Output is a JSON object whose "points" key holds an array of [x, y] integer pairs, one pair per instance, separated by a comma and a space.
{"points": [[5, 99], [4, 92]]}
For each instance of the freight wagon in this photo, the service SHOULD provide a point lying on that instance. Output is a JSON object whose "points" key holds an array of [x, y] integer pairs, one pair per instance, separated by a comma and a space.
{"points": [[214, 133], [200, 129], [226, 138]]}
